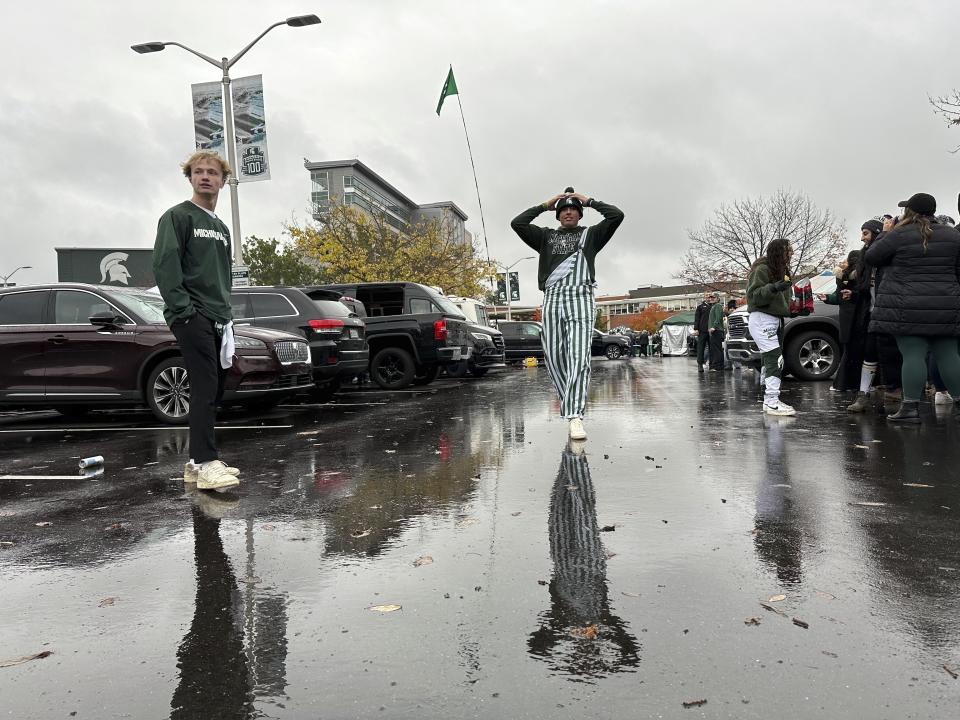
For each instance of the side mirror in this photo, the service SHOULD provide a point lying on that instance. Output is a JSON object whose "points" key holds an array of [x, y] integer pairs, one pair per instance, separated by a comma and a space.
{"points": [[105, 318]]}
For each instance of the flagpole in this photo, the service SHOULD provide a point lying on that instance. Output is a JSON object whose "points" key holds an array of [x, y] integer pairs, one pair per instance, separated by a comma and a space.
{"points": [[474, 168]]}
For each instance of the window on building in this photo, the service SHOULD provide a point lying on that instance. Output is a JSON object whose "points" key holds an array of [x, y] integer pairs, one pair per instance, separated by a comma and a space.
{"points": [[320, 191]]}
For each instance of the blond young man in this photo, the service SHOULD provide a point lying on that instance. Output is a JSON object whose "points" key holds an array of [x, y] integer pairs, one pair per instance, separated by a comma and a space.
{"points": [[192, 260]]}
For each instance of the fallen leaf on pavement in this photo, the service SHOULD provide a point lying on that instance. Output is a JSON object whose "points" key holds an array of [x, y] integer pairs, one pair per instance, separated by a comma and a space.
{"points": [[43, 524], [385, 608], [587, 633], [862, 447], [870, 504], [694, 703], [467, 521], [829, 654], [917, 485], [422, 560], [268, 526], [826, 595], [361, 533], [107, 601], [801, 623], [777, 598], [25, 658], [630, 594], [608, 528], [752, 621], [516, 513], [953, 673], [250, 580]]}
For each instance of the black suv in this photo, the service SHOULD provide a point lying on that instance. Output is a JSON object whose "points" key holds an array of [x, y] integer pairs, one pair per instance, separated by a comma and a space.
{"points": [[522, 338], [337, 337]]}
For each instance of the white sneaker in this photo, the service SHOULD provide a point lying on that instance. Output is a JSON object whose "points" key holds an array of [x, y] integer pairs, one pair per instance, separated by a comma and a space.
{"points": [[781, 408], [576, 429], [214, 476], [191, 471], [942, 398]]}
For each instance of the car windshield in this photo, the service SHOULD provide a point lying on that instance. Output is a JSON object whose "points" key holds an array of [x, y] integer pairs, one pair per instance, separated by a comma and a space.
{"points": [[146, 304], [448, 307]]}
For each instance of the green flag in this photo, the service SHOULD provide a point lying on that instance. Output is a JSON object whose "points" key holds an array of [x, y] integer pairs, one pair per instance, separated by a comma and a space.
{"points": [[449, 88]]}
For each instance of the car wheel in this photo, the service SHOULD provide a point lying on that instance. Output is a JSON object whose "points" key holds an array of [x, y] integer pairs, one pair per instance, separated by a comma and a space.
{"points": [[393, 368], [457, 370], [478, 372], [812, 355], [168, 392], [426, 374], [612, 352], [72, 411]]}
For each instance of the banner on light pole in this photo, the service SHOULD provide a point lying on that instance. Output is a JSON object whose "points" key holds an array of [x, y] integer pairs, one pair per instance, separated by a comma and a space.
{"points": [[208, 125], [249, 122], [502, 287]]}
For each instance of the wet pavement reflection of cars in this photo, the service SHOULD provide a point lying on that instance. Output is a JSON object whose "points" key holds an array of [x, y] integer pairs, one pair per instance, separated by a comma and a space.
{"points": [[687, 511]]}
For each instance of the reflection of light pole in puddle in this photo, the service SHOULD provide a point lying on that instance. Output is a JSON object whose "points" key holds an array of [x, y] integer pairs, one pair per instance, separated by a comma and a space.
{"points": [[248, 614]]}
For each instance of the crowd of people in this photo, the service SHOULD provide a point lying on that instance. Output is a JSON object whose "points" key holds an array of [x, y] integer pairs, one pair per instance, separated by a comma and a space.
{"points": [[899, 312]]}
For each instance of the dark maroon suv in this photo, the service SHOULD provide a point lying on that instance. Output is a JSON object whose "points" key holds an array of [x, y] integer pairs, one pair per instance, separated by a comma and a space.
{"points": [[75, 347]]}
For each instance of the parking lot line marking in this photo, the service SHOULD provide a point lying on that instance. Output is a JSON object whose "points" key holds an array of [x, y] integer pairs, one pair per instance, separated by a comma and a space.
{"points": [[184, 428]]}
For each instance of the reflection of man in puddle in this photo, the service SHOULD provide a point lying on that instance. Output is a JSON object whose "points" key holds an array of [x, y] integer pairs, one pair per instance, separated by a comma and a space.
{"points": [[578, 588], [214, 677], [778, 537]]}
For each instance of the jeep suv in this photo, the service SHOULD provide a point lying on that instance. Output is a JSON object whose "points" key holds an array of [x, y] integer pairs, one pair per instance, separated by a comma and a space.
{"points": [[337, 337], [811, 343]]}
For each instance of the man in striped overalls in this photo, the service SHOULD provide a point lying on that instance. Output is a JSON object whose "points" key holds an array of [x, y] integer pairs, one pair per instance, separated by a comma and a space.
{"points": [[567, 277]]}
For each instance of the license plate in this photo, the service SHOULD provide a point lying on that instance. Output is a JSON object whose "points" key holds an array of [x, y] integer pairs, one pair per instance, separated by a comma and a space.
{"points": [[354, 334]]}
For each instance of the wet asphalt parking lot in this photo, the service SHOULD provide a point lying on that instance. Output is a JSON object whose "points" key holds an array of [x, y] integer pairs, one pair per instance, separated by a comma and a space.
{"points": [[442, 553]]}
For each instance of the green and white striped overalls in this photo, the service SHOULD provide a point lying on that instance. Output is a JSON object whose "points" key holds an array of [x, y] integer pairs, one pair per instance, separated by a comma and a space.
{"points": [[569, 309]]}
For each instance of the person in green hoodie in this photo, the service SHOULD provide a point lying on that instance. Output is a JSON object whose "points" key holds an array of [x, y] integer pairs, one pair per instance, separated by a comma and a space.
{"points": [[768, 299], [192, 266], [717, 333], [567, 277]]}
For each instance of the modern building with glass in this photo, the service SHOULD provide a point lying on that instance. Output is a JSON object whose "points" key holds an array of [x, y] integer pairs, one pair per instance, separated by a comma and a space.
{"points": [[352, 183]]}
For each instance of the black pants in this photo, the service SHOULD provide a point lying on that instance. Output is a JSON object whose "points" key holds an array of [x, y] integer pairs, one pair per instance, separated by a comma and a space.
{"points": [[703, 340], [716, 349], [199, 342]]}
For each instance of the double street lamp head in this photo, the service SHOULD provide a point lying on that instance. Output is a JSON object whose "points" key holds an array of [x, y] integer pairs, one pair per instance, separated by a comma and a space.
{"points": [[295, 21]]}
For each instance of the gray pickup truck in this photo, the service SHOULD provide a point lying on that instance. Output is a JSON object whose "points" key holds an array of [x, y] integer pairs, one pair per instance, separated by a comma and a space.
{"points": [[811, 343]]}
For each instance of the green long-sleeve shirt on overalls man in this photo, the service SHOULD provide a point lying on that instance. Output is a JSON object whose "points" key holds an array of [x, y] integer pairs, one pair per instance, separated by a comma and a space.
{"points": [[192, 262]]}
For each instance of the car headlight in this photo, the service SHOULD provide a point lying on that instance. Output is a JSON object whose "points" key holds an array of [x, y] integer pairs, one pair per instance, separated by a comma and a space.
{"points": [[242, 341]]}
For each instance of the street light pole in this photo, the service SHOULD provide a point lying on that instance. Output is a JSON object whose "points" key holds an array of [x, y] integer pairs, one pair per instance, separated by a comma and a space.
{"points": [[506, 280], [225, 64], [22, 267]]}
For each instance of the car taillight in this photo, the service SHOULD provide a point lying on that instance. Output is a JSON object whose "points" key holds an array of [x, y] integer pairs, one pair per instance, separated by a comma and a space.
{"points": [[439, 329], [332, 326]]}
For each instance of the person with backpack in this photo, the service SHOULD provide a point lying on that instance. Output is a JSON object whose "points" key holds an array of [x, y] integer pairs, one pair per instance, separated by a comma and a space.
{"points": [[566, 275]]}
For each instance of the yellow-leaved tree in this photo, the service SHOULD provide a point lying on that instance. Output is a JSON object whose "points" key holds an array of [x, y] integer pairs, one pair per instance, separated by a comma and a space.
{"points": [[351, 245]]}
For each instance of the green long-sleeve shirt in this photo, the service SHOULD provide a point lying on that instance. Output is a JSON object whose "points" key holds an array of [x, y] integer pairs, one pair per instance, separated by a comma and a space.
{"points": [[762, 297], [715, 321], [555, 246], [192, 264]]}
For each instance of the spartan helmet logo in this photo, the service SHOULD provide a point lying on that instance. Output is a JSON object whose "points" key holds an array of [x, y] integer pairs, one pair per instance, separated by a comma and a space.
{"points": [[112, 265]]}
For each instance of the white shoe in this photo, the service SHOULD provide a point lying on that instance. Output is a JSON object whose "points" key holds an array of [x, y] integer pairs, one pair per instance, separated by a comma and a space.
{"points": [[780, 408], [214, 476], [942, 398], [191, 471], [576, 429]]}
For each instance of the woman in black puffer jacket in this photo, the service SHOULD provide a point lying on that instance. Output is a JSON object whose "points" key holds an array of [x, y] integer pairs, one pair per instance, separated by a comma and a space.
{"points": [[918, 300]]}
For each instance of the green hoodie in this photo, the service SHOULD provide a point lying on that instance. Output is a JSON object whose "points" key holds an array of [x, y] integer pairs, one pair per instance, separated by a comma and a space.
{"points": [[192, 264], [761, 296], [555, 246]]}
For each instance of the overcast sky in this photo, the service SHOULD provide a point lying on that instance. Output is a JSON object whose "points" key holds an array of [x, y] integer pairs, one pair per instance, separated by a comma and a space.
{"points": [[664, 108]]}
